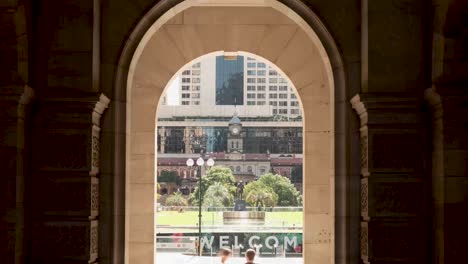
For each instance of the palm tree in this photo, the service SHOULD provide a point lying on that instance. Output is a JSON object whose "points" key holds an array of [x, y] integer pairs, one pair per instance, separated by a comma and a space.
{"points": [[217, 195], [262, 197], [176, 199]]}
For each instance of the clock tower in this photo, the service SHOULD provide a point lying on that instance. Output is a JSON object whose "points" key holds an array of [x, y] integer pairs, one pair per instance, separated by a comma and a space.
{"points": [[234, 143]]}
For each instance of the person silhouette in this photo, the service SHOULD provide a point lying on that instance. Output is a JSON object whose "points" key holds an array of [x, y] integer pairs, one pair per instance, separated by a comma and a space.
{"points": [[224, 253], [250, 256]]}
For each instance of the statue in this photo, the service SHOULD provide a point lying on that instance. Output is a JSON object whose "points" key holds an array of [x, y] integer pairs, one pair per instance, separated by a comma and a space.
{"points": [[239, 203], [240, 190]]}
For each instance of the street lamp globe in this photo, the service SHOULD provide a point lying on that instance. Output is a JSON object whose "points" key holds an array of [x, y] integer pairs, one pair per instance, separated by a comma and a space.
{"points": [[190, 162], [210, 162], [200, 161]]}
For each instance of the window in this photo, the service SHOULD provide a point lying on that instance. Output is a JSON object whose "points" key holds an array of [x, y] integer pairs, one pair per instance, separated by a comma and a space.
{"points": [[185, 95], [196, 65], [261, 88], [261, 65], [238, 168], [283, 96], [249, 168], [250, 88], [294, 111], [273, 80], [293, 96], [261, 72], [196, 80], [294, 103], [261, 80], [274, 103], [196, 88], [250, 80], [261, 103], [282, 80], [196, 95], [185, 102], [185, 87], [196, 72], [283, 111], [275, 111], [272, 96], [250, 72], [272, 73], [273, 88], [186, 72], [250, 95], [185, 80], [196, 102], [251, 64], [283, 103], [250, 102], [250, 59], [261, 96], [283, 88]]}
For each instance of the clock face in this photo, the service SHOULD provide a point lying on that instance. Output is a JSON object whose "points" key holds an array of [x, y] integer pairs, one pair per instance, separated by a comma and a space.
{"points": [[235, 130]]}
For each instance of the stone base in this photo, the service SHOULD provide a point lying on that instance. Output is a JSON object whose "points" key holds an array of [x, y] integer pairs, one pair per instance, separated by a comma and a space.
{"points": [[243, 217]]}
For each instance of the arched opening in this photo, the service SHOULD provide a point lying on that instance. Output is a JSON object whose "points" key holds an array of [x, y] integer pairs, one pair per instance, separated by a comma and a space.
{"points": [[236, 109], [279, 35]]}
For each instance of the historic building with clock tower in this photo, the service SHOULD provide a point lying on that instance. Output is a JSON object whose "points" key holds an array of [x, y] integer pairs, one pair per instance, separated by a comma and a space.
{"points": [[234, 136]]}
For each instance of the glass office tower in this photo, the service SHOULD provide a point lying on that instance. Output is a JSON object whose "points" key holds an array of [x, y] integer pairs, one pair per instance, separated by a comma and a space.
{"points": [[229, 80]]}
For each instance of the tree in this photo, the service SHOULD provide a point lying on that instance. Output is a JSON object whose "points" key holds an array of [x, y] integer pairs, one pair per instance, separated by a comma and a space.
{"points": [[296, 174], [217, 195], [260, 195], [176, 199], [169, 176], [216, 174], [282, 186]]}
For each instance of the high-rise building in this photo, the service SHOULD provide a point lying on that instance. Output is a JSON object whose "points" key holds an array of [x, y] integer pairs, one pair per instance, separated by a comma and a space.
{"points": [[229, 80], [241, 80]]}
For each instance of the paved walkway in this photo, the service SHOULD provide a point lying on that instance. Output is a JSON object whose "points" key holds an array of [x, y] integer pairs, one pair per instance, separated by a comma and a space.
{"points": [[178, 258]]}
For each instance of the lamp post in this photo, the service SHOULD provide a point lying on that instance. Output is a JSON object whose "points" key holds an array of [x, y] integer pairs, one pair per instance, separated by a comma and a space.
{"points": [[200, 162]]}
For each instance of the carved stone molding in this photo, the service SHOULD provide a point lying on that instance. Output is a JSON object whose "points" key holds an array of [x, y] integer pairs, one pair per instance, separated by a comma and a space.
{"points": [[364, 151], [94, 197], [392, 189], [364, 242], [66, 152], [365, 199]]}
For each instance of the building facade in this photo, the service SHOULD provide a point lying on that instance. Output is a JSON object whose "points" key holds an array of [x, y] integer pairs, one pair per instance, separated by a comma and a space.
{"points": [[397, 190]]}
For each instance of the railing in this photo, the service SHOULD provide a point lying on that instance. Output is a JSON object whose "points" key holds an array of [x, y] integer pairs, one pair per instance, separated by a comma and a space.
{"points": [[227, 209]]}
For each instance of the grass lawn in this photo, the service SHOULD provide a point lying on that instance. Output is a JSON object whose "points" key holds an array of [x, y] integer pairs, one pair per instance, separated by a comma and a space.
{"points": [[174, 218]]}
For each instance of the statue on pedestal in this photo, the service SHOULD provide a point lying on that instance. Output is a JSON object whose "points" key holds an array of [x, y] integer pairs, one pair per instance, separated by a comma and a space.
{"points": [[239, 203]]}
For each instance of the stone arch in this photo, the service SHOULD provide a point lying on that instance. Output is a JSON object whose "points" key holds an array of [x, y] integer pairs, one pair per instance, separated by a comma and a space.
{"points": [[308, 56]]}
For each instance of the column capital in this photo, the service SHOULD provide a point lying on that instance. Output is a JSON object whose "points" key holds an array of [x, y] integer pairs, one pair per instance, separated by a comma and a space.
{"points": [[387, 108]]}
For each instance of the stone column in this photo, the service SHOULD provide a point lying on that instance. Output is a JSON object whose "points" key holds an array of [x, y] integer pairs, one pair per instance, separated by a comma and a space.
{"points": [[450, 168], [394, 189], [438, 178], [65, 178], [14, 120]]}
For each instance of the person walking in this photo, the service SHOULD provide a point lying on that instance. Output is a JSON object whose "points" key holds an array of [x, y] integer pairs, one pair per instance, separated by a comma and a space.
{"points": [[250, 256], [224, 253]]}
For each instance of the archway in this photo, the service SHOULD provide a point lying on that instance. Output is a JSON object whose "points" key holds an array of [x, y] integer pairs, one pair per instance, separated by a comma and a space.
{"points": [[281, 36], [195, 117]]}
